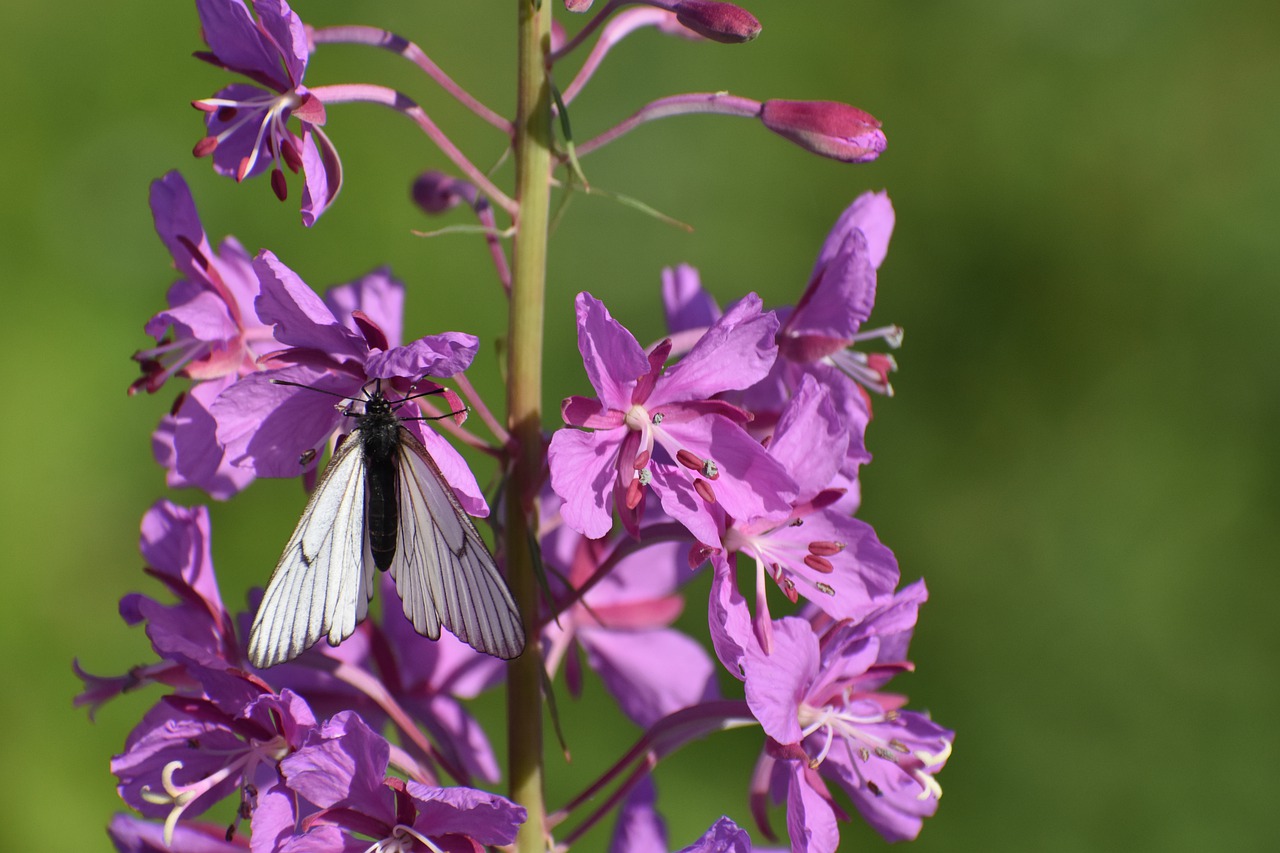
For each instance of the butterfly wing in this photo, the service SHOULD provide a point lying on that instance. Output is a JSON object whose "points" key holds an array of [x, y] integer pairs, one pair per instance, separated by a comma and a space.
{"points": [[443, 571], [323, 581]]}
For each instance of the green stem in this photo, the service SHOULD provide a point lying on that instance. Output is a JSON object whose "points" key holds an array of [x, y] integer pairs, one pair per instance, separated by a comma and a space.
{"points": [[524, 401]]}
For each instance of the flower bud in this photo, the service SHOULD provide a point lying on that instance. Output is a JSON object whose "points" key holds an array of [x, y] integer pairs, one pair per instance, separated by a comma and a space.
{"points": [[722, 22], [577, 5], [831, 129], [436, 192]]}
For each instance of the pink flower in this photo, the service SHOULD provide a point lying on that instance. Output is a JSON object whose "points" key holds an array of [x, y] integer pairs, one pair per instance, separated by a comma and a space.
{"points": [[660, 430]]}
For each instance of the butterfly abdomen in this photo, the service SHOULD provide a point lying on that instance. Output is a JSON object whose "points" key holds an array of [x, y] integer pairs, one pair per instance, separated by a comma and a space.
{"points": [[380, 439]]}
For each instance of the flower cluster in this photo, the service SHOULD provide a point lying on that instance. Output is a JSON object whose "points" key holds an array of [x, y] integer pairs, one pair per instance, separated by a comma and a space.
{"points": [[730, 448]]}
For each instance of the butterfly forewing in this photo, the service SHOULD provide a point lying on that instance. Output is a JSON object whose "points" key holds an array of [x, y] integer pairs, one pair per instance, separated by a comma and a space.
{"points": [[323, 581], [444, 573]]}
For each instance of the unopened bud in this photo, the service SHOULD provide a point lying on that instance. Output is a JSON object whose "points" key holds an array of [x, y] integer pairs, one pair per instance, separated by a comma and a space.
{"points": [[722, 22], [831, 129], [436, 192]]}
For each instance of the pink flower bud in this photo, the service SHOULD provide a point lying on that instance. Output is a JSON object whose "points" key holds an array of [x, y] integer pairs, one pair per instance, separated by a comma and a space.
{"points": [[831, 129], [722, 22], [435, 192], [577, 5]]}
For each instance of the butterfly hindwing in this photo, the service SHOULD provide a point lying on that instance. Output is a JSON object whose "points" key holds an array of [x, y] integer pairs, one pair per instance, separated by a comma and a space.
{"points": [[443, 571], [323, 582]]}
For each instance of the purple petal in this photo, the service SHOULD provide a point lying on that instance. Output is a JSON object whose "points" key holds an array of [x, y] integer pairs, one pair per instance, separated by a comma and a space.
{"points": [[583, 466], [872, 214], [186, 444], [728, 618], [288, 32], [345, 766], [203, 317], [274, 819], [485, 817], [640, 829], [236, 41], [457, 473], [777, 682], [810, 439], [178, 223], [130, 834], [751, 484], [734, 354], [837, 302], [440, 356], [724, 836], [680, 501], [811, 823], [267, 427], [321, 173], [378, 296], [300, 317], [614, 360], [687, 305], [651, 673]]}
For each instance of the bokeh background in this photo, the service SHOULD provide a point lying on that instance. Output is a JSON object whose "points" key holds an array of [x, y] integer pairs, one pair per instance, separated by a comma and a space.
{"points": [[1081, 457]]}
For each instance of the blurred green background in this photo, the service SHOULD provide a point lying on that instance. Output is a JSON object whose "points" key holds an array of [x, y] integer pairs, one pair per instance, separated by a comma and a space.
{"points": [[1081, 457]]}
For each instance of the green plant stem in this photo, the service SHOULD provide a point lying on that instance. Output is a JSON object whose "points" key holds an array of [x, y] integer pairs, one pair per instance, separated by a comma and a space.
{"points": [[524, 406]]}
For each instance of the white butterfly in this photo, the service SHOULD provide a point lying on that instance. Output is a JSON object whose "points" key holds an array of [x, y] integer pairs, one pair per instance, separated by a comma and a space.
{"points": [[383, 504]]}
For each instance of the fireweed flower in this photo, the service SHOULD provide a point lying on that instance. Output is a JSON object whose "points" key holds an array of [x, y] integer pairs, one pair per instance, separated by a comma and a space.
{"points": [[210, 333], [819, 552], [337, 345], [189, 753], [661, 431], [247, 125], [196, 630], [818, 337], [343, 772], [817, 699], [623, 623]]}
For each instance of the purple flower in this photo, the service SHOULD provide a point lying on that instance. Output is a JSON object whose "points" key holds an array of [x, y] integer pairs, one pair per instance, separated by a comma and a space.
{"points": [[189, 753], [247, 124], [197, 630], [343, 771], [817, 551], [210, 333], [828, 319], [661, 430], [334, 347], [817, 700], [623, 623]]}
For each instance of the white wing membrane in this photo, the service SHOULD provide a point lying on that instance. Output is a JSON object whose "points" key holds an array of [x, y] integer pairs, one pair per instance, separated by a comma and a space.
{"points": [[324, 580], [443, 571]]}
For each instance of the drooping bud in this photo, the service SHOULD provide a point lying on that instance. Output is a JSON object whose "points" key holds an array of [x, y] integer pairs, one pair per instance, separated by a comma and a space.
{"points": [[722, 22], [829, 128], [435, 192], [577, 5]]}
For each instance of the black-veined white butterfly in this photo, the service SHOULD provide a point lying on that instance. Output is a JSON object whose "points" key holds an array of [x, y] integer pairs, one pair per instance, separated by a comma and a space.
{"points": [[383, 503]]}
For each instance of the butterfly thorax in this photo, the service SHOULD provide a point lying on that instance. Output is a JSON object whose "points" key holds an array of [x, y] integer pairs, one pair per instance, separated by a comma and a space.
{"points": [[379, 441]]}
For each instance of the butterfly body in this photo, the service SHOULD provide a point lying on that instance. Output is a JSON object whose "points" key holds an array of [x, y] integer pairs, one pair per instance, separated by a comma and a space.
{"points": [[383, 504]]}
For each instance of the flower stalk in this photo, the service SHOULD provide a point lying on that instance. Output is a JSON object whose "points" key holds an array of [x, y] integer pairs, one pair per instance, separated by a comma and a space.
{"points": [[524, 406]]}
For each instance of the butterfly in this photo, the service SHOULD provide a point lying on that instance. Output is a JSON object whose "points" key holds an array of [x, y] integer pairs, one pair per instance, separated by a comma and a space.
{"points": [[383, 504]]}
